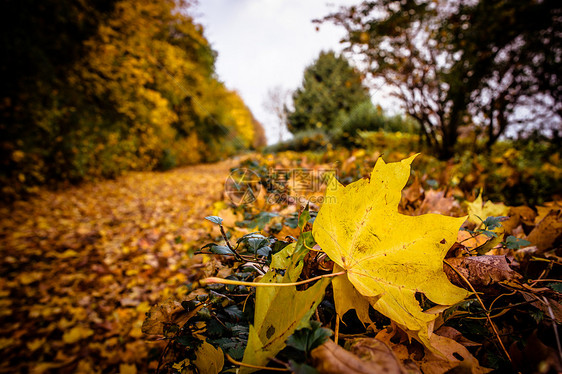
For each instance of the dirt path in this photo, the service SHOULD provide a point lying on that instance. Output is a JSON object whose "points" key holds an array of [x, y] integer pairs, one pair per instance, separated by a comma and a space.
{"points": [[80, 268]]}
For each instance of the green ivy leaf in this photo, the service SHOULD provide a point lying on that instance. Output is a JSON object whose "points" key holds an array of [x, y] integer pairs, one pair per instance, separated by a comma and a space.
{"points": [[515, 243], [214, 219], [492, 222], [307, 339], [221, 250]]}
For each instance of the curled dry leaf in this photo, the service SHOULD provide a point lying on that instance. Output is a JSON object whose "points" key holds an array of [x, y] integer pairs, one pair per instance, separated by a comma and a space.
{"points": [[481, 271], [369, 356], [170, 312]]}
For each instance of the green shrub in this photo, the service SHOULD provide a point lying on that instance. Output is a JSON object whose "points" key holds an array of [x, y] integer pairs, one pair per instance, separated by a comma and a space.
{"points": [[366, 117], [308, 140]]}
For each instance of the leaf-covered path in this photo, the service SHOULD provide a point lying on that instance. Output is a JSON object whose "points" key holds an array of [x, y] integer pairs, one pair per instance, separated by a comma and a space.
{"points": [[80, 267]]}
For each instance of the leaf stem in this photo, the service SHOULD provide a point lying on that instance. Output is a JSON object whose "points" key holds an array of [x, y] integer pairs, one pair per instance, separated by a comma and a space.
{"points": [[212, 280], [485, 310], [238, 257], [253, 366]]}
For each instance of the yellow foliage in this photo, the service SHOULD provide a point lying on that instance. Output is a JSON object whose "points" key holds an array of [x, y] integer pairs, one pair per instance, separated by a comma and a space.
{"points": [[77, 333], [477, 212], [280, 311]]}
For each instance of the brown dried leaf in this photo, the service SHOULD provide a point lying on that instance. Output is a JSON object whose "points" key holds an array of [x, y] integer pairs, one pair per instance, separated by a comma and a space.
{"points": [[436, 202], [458, 358], [454, 356], [481, 271], [414, 192], [451, 333], [548, 232], [371, 356], [167, 313]]}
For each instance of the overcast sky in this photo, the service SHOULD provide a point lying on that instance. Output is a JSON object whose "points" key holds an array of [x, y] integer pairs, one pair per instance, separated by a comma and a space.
{"points": [[266, 43]]}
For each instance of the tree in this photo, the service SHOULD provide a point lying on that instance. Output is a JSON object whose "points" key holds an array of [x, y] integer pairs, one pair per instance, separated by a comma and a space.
{"points": [[330, 86], [510, 60], [95, 89], [455, 64], [276, 103]]}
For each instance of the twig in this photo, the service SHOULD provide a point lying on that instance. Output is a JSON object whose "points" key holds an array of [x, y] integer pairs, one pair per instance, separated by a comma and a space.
{"points": [[497, 298], [337, 329], [551, 313], [230, 254], [238, 257], [211, 280], [253, 366], [494, 316], [485, 310], [546, 280]]}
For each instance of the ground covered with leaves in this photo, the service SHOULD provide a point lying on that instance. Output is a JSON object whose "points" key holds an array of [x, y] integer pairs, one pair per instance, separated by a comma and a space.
{"points": [[128, 275], [81, 267]]}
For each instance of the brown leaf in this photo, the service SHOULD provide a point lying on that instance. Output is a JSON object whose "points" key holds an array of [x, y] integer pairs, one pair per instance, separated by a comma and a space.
{"points": [[436, 202], [481, 271], [414, 192], [371, 356], [548, 232], [167, 313], [454, 356], [457, 358], [525, 214], [451, 333]]}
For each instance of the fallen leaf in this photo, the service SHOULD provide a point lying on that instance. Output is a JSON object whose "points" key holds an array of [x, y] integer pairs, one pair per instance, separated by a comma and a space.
{"points": [[349, 298], [481, 271], [388, 257], [452, 355], [477, 212], [371, 356], [209, 360], [548, 231], [457, 358], [279, 311], [436, 202], [414, 192], [451, 333], [127, 369], [170, 312], [77, 333]]}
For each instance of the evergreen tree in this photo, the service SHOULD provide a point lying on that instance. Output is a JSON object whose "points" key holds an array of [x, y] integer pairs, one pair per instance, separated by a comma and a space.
{"points": [[330, 86]]}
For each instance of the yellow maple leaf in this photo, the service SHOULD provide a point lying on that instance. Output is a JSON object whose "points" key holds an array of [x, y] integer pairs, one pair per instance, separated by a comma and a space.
{"points": [[388, 257], [477, 212]]}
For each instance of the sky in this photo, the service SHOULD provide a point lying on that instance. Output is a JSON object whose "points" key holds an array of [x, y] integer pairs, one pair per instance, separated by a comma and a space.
{"points": [[262, 44]]}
